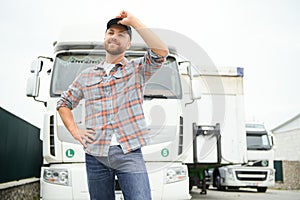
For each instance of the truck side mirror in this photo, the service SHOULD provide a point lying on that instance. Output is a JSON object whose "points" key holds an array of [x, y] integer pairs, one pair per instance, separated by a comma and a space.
{"points": [[184, 67], [196, 89], [33, 85], [36, 66], [33, 82], [272, 140], [195, 84]]}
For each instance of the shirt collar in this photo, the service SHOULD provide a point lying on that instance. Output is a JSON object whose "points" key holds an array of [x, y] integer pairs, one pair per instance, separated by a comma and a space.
{"points": [[120, 64]]}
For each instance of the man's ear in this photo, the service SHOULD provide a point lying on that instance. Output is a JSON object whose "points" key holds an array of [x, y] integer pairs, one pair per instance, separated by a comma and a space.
{"points": [[128, 45]]}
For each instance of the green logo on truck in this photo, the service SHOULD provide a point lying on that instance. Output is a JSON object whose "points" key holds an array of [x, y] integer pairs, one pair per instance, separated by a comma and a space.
{"points": [[70, 153], [164, 152]]}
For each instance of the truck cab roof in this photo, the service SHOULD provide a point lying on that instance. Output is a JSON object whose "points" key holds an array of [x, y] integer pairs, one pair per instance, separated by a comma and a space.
{"points": [[67, 46]]}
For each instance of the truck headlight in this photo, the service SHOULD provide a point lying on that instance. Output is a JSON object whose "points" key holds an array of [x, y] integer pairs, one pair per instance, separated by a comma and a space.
{"points": [[56, 176], [230, 173], [174, 174]]}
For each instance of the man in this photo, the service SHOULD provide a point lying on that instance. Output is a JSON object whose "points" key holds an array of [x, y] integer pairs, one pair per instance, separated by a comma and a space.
{"points": [[115, 123]]}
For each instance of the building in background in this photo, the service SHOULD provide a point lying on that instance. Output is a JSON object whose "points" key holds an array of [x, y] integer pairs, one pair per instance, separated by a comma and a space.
{"points": [[287, 154]]}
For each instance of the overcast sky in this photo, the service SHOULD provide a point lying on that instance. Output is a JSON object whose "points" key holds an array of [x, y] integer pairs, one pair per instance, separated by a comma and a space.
{"points": [[262, 36]]}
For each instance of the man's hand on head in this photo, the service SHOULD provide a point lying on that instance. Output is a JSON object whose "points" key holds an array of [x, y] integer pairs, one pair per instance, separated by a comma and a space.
{"points": [[129, 19]]}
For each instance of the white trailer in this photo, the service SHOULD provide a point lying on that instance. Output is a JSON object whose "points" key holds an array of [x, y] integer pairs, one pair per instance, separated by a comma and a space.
{"points": [[259, 172], [190, 130]]}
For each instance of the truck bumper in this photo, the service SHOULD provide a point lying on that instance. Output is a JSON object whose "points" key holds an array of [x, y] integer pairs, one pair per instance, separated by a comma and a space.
{"points": [[163, 185], [248, 178]]}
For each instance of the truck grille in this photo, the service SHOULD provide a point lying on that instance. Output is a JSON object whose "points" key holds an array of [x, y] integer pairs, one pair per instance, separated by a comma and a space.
{"points": [[251, 175], [180, 145], [52, 141]]}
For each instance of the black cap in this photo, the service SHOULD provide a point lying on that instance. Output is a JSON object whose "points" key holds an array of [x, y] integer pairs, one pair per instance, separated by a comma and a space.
{"points": [[115, 22]]}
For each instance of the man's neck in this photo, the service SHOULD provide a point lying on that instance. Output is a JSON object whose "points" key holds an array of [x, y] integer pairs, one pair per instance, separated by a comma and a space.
{"points": [[114, 59]]}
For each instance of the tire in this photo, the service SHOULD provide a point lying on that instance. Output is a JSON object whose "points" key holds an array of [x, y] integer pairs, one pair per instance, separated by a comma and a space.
{"points": [[218, 183], [262, 189]]}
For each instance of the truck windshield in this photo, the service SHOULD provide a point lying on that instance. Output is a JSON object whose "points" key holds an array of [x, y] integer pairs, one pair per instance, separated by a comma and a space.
{"points": [[258, 141], [164, 84]]}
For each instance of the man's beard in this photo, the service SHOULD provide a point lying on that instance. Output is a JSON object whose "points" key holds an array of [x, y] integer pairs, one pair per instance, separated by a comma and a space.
{"points": [[114, 51]]}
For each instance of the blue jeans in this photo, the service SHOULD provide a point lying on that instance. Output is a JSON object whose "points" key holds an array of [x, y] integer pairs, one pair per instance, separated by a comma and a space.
{"points": [[129, 168]]}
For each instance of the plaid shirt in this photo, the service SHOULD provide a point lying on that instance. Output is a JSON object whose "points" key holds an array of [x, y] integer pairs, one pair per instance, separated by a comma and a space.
{"points": [[113, 102]]}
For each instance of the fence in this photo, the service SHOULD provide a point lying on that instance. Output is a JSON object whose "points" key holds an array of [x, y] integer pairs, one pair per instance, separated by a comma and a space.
{"points": [[20, 148]]}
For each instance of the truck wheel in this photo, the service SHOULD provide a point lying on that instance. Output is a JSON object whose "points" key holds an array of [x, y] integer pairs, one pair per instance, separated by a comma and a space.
{"points": [[218, 183], [261, 189]]}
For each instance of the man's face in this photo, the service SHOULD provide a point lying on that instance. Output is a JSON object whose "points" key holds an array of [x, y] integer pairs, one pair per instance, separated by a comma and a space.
{"points": [[116, 40]]}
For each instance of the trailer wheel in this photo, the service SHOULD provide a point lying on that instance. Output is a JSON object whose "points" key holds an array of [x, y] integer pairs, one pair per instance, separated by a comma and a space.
{"points": [[262, 189], [218, 183]]}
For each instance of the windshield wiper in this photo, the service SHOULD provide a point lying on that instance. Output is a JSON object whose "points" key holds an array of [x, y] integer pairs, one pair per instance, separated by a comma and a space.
{"points": [[156, 96], [258, 147], [263, 148]]}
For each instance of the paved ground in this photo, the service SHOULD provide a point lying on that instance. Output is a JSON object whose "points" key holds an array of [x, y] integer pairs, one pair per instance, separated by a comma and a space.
{"points": [[246, 194]]}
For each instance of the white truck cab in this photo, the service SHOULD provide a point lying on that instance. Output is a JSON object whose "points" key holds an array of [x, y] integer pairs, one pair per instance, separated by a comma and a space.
{"points": [[187, 114], [259, 172]]}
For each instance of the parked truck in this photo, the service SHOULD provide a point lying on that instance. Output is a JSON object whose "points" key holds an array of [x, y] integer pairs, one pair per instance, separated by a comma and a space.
{"points": [[195, 116], [259, 172]]}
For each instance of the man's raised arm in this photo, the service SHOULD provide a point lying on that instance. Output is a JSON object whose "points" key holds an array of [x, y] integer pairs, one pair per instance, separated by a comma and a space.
{"points": [[150, 38]]}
